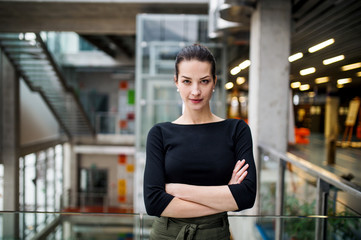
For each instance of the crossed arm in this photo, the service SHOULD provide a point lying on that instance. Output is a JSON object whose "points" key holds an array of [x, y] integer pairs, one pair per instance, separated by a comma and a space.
{"points": [[196, 201]]}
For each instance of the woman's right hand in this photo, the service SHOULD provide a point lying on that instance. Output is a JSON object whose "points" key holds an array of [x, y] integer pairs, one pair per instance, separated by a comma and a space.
{"points": [[239, 172]]}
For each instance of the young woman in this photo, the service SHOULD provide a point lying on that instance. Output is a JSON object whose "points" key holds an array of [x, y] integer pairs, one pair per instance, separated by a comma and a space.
{"points": [[199, 166]]}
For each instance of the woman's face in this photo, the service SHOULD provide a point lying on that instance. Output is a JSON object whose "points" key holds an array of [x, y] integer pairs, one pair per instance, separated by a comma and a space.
{"points": [[195, 83]]}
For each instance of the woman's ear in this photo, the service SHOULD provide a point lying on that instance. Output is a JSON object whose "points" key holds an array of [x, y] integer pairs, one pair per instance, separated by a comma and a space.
{"points": [[175, 80], [215, 81]]}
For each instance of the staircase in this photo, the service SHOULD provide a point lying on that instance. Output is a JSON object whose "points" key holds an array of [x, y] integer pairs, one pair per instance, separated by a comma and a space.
{"points": [[33, 62]]}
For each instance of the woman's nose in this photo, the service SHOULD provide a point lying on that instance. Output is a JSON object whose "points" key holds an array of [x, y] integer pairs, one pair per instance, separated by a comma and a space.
{"points": [[195, 90]]}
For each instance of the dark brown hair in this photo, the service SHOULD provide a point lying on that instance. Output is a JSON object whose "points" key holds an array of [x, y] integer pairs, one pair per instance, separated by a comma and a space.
{"points": [[197, 52]]}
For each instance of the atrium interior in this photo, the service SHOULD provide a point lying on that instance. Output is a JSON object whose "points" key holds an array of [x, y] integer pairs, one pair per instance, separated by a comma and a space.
{"points": [[83, 81]]}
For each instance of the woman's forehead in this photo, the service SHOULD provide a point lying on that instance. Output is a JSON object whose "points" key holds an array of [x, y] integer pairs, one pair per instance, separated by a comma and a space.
{"points": [[195, 65]]}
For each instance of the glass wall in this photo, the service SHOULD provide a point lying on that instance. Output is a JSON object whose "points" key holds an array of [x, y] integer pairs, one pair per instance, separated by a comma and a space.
{"points": [[41, 189]]}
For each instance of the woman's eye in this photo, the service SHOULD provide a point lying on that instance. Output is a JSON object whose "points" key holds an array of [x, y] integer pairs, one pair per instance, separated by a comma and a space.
{"points": [[205, 81], [186, 81]]}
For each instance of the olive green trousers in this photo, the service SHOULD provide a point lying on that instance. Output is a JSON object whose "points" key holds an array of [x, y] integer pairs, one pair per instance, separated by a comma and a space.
{"points": [[213, 227]]}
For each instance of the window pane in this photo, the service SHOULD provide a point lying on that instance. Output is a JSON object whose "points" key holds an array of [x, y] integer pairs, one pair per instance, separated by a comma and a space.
{"points": [[59, 176], [41, 187], [50, 181], [29, 182]]}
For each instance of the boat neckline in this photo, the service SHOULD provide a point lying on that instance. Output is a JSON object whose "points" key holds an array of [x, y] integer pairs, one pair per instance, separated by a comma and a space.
{"points": [[198, 124]]}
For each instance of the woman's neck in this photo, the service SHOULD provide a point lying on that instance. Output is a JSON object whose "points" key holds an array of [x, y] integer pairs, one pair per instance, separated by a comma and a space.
{"points": [[192, 117]]}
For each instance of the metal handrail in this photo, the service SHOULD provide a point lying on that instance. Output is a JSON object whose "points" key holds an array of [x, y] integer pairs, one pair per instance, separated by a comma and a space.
{"points": [[324, 181], [315, 170]]}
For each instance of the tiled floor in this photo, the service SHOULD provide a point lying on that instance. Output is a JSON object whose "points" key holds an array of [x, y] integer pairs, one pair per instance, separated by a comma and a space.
{"points": [[348, 160]]}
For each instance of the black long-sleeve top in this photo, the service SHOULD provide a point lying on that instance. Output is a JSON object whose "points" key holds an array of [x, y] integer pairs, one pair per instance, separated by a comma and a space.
{"points": [[197, 154]]}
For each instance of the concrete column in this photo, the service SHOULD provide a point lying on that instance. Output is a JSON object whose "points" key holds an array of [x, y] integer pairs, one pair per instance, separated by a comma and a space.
{"points": [[331, 124], [269, 74], [70, 175], [10, 144]]}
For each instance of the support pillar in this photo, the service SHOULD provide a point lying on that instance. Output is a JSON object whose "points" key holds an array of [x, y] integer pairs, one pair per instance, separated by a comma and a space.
{"points": [[9, 101], [331, 125], [269, 74]]}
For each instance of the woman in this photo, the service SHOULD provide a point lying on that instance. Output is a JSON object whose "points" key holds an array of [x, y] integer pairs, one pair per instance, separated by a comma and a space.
{"points": [[199, 166]]}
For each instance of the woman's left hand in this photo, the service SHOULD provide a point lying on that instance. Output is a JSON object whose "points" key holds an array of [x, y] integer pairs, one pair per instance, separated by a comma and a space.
{"points": [[239, 172]]}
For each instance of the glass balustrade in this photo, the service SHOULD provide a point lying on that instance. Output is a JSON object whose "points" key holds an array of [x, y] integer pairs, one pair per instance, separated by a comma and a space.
{"points": [[57, 225]]}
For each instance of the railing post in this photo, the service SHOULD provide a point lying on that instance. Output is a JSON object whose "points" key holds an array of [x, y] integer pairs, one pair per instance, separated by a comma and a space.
{"points": [[323, 189], [280, 198], [141, 226], [259, 156]]}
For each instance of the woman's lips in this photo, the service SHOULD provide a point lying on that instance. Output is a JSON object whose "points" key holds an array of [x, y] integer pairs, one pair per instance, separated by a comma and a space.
{"points": [[196, 100]]}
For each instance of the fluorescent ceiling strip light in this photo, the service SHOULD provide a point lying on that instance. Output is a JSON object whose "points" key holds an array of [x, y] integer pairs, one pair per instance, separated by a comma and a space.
{"points": [[240, 80], [295, 85], [229, 85], [295, 57], [235, 70], [322, 80], [321, 45], [344, 81], [340, 85], [304, 87], [333, 60], [351, 66], [307, 71], [245, 64]]}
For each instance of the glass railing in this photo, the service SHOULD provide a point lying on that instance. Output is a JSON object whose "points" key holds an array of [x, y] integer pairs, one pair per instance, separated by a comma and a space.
{"points": [[293, 186], [298, 187], [17, 225]]}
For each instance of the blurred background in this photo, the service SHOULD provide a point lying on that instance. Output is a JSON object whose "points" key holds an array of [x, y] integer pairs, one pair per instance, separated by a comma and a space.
{"points": [[82, 82]]}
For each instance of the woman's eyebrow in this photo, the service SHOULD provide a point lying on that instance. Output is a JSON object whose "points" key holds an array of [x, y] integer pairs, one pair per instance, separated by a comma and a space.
{"points": [[185, 77], [205, 77]]}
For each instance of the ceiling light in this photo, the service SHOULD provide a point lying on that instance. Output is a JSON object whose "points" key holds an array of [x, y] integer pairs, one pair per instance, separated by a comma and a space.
{"points": [[358, 74], [241, 66], [307, 71], [295, 85], [344, 81], [351, 66], [340, 85], [295, 57], [304, 87], [322, 80], [245, 64], [240, 80], [321, 45], [333, 60], [229, 85], [235, 70]]}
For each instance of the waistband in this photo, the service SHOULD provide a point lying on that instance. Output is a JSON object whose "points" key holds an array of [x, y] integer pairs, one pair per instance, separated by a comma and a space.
{"points": [[201, 220], [191, 225]]}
